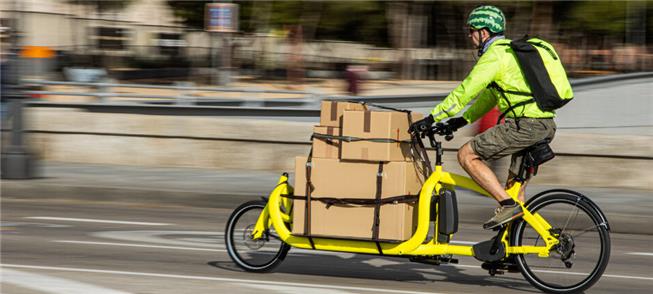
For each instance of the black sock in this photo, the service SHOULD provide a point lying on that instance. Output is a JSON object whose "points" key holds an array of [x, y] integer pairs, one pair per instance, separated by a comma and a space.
{"points": [[507, 202]]}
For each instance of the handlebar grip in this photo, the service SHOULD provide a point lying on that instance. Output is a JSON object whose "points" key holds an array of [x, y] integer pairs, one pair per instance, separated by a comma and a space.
{"points": [[448, 137]]}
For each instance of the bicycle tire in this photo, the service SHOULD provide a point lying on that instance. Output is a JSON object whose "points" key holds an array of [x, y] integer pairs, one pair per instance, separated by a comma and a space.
{"points": [[231, 238], [537, 205]]}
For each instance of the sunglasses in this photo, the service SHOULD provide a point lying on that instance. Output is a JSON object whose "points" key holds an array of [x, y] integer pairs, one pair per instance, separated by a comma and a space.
{"points": [[470, 30]]}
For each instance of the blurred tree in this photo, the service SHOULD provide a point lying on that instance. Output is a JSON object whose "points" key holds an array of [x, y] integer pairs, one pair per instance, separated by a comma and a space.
{"points": [[360, 21], [103, 5], [598, 17]]}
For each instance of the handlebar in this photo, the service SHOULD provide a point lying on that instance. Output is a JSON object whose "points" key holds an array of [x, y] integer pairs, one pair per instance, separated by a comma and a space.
{"points": [[439, 129]]}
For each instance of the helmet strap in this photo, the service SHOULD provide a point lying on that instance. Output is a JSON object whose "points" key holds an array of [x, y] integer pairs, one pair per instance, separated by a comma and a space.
{"points": [[481, 43]]}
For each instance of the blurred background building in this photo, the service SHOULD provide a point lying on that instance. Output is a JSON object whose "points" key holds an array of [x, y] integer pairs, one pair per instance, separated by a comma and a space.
{"points": [[157, 40]]}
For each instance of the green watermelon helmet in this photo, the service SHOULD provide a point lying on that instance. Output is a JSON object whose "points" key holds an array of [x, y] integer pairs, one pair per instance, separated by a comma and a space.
{"points": [[487, 16]]}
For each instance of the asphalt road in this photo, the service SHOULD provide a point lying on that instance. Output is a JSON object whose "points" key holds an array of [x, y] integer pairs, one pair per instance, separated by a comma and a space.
{"points": [[51, 246]]}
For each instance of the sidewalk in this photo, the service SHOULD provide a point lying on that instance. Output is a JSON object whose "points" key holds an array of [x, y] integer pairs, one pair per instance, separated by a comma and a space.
{"points": [[628, 211]]}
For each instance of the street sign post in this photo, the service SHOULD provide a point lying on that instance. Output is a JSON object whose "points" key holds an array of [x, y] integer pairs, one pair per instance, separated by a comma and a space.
{"points": [[221, 18]]}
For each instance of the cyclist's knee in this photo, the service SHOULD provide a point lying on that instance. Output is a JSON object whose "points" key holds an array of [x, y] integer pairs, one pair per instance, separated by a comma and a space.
{"points": [[466, 154]]}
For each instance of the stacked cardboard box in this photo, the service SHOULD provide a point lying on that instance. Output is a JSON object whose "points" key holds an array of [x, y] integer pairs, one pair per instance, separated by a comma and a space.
{"points": [[342, 173], [377, 125]]}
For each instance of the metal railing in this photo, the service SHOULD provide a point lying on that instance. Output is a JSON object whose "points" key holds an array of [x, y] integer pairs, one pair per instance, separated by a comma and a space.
{"points": [[253, 97], [186, 94]]}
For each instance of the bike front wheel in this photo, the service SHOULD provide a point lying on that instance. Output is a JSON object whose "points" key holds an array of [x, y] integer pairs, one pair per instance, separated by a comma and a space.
{"points": [[258, 255], [582, 255]]}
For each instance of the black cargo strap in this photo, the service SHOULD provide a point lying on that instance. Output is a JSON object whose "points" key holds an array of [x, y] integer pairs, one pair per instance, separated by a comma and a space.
{"points": [[378, 247], [379, 106], [377, 208], [356, 139], [309, 189], [330, 201]]}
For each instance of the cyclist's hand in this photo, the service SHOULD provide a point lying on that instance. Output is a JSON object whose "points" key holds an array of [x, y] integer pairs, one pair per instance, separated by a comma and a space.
{"points": [[456, 123], [421, 125]]}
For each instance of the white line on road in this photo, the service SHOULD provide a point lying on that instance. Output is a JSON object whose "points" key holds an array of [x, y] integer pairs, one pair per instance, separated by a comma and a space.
{"points": [[295, 251], [564, 273], [137, 245], [463, 242], [291, 289], [88, 220], [259, 282], [49, 284], [640, 253]]}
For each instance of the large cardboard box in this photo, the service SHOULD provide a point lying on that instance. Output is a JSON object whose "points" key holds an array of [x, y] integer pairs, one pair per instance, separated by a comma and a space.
{"points": [[377, 125], [397, 221], [358, 180], [332, 111], [326, 148]]}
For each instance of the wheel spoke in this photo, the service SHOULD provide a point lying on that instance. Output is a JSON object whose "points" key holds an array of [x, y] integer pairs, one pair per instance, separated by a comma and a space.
{"points": [[580, 257]]}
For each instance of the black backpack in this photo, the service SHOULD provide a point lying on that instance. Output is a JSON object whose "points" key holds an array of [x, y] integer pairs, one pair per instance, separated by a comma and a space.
{"points": [[537, 78]]}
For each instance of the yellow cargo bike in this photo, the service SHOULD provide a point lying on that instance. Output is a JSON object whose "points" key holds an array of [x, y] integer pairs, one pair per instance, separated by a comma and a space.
{"points": [[560, 245]]}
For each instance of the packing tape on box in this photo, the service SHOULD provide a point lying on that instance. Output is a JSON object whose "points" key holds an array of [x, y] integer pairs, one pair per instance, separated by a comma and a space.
{"points": [[367, 121], [334, 110]]}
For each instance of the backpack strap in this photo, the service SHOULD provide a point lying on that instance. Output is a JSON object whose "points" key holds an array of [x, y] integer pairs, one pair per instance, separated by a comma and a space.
{"points": [[511, 107]]}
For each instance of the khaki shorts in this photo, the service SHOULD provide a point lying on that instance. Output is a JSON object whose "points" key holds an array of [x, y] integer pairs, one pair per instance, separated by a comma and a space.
{"points": [[506, 139]]}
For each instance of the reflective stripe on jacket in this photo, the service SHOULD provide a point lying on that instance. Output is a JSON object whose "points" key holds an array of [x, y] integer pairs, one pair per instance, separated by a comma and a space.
{"points": [[499, 65]]}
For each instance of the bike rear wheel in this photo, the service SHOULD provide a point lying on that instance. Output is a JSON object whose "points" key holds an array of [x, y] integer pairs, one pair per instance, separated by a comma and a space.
{"points": [[259, 255], [584, 250]]}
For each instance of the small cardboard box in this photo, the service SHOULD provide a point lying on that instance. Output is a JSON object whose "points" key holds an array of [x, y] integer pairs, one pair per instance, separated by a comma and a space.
{"points": [[377, 125], [326, 148], [331, 112], [343, 179]]}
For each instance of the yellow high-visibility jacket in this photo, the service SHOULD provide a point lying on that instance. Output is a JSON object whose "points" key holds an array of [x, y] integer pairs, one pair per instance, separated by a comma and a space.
{"points": [[499, 66]]}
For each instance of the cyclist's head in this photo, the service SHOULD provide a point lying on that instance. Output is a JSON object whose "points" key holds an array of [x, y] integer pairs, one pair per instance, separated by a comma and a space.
{"points": [[484, 22], [487, 17]]}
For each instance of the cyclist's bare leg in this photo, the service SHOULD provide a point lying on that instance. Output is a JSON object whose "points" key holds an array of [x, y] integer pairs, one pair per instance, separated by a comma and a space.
{"points": [[480, 172], [511, 181]]}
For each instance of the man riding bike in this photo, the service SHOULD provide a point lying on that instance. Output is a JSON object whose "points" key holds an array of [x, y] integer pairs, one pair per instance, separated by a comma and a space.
{"points": [[497, 80]]}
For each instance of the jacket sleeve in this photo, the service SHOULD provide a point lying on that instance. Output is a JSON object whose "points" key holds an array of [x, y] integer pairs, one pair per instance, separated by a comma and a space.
{"points": [[483, 73], [484, 102]]}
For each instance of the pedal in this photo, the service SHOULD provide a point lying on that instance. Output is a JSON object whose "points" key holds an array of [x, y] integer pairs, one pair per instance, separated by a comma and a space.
{"points": [[498, 228], [493, 272], [501, 266]]}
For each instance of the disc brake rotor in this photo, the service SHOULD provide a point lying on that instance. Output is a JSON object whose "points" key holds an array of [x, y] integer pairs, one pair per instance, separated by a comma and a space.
{"points": [[565, 248]]}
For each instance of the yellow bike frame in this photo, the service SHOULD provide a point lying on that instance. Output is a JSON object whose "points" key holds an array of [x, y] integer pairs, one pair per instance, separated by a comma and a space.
{"points": [[273, 216]]}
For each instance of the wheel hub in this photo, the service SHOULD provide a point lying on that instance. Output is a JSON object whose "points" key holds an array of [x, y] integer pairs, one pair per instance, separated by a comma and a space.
{"points": [[249, 242], [565, 248]]}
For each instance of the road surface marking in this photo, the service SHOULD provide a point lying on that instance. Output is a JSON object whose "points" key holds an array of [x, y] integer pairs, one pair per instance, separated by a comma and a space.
{"points": [[463, 242], [295, 251], [257, 281], [292, 289], [640, 253], [88, 220], [137, 245], [159, 237], [50, 284], [564, 273]]}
